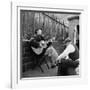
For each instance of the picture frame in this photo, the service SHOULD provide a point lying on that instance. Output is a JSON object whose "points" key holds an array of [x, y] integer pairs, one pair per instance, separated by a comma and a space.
{"points": [[16, 80]]}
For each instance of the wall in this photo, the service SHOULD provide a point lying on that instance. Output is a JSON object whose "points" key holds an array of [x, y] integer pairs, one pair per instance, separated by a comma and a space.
{"points": [[72, 25]]}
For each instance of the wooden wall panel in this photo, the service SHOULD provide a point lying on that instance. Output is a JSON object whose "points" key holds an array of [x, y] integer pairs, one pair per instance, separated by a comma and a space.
{"points": [[34, 20]]}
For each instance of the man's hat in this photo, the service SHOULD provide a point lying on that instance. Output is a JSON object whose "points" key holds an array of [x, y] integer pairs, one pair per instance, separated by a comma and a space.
{"points": [[67, 40]]}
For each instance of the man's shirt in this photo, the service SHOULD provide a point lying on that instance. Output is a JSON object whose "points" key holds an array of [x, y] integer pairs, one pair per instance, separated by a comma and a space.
{"points": [[69, 49]]}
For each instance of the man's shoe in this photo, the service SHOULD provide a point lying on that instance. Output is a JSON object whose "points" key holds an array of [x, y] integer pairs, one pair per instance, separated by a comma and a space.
{"points": [[53, 66]]}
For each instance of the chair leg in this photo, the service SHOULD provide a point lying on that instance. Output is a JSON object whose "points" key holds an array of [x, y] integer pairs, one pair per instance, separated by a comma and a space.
{"points": [[41, 68], [47, 65]]}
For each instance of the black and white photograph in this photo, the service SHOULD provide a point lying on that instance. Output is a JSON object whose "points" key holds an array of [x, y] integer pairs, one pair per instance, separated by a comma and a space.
{"points": [[45, 44], [49, 43]]}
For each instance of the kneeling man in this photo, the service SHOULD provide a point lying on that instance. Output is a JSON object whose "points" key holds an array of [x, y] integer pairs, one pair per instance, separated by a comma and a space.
{"points": [[68, 60]]}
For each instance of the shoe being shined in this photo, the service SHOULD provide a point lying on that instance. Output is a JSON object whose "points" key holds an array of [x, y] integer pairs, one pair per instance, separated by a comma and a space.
{"points": [[53, 66]]}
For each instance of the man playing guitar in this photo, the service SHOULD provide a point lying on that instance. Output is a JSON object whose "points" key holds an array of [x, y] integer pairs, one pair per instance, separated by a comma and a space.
{"points": [[39, 46]]}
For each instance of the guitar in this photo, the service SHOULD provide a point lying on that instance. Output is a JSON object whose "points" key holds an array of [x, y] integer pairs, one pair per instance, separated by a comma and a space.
{"points": [[43, 45]]}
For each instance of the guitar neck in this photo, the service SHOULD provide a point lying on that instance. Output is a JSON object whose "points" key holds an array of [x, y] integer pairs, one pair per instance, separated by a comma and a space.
{"points": [[26, 40], [50, 40]]}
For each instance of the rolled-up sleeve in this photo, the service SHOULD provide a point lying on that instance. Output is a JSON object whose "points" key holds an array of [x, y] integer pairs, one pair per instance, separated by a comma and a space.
{"points": [[70, 48]]}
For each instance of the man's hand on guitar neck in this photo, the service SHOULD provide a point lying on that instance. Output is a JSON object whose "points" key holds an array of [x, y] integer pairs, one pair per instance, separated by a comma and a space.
{"points": [[52, 39]]}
